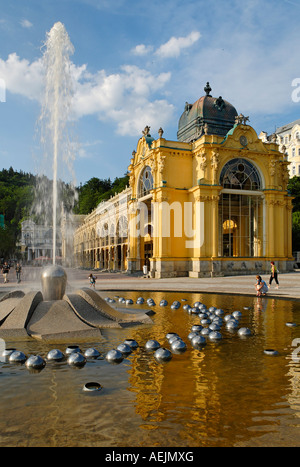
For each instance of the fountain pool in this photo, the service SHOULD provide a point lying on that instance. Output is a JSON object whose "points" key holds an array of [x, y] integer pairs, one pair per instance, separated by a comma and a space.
{"points": [[228, 393]]}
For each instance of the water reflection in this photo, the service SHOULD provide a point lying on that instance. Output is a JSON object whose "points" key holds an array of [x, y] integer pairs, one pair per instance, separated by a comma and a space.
{"points": [[228, 393]]}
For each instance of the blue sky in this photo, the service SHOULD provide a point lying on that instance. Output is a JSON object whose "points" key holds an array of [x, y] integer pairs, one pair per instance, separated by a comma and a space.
{"points": [[137, 62]]}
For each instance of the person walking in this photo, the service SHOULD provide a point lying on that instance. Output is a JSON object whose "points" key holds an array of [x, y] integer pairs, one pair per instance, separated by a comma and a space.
{"points": [[92, 280], [5, 271], [18, 272], [274, 275]]}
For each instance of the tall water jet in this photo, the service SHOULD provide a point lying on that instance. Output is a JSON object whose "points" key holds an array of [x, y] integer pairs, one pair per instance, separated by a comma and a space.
{"points": [[55, 122]]}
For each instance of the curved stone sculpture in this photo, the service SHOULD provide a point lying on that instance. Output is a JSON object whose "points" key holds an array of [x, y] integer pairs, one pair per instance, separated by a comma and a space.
{"points": [[81, 314]]}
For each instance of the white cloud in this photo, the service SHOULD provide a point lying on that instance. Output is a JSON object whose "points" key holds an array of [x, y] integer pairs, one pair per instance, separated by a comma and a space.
{"points": [[125, 98], [21, 76], [175, 45], [25, 23], [130, 99], [133, 117], [142, 49]]}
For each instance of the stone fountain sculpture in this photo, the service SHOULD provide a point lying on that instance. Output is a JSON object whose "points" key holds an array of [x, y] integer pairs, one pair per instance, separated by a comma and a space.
{"points": [[54, 315]]}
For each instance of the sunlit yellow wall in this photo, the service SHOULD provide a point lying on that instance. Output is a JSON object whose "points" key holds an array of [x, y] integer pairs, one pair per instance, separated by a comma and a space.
{"points": [[190, 172]]}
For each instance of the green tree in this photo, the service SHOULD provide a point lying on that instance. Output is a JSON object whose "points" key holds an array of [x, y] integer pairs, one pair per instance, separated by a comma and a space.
{"points": [[294, 190], [19, 192], [96, 190], [7, 243], [296, 231]]}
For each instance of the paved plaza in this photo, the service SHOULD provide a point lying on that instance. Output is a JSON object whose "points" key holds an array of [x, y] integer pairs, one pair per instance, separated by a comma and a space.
{"points": [[241, 285]]}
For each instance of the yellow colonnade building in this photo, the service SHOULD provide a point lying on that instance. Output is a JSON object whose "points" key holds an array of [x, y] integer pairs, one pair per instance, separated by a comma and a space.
{"points": [[214, 202]]}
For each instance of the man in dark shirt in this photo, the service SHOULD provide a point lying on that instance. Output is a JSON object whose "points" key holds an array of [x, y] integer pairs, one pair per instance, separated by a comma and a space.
{"points": [[5, 271]]}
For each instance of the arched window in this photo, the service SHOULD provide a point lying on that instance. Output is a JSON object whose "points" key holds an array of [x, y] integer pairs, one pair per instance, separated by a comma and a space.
{"points": [[122, 229], [104, 234], [240, 174], [240, 211], [146, 182]]}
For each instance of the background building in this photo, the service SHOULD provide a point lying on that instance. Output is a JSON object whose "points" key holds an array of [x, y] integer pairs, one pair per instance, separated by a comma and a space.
{"points": [[288, 139], [37, 242]]}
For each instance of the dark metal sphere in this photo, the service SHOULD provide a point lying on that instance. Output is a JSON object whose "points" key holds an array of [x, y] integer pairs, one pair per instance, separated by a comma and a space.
{"points": [[55, 355], [35, 362], [132, 343], [237, 314], [215, 336], [228, 317], [152, 345], [114, 356], [163, 355], [17, 357], [244, 332], [91, 353], [178, 346], [72, 349], [163, 303], [198, 341], [232, 324], [125, 349], [219, 312], [76, 359], [150, 302]]}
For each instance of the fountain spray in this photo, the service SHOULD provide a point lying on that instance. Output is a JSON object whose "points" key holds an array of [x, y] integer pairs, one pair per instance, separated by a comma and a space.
{"points": [[55, 114]]}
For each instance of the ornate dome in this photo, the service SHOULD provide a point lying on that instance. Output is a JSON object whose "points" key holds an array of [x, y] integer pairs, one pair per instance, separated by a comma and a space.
{"points": [[208, 115]]}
